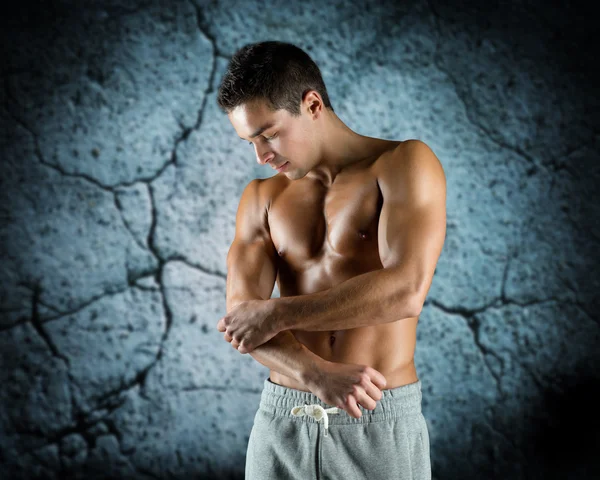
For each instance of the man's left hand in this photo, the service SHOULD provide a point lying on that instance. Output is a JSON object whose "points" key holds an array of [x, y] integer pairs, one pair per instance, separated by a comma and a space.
{"points": [[250, 324]]}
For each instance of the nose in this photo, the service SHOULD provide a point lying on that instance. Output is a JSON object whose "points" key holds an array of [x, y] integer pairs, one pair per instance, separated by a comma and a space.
{"points": [[263, 157]]}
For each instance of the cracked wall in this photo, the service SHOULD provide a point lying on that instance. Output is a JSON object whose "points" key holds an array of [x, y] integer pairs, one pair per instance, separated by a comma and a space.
{"points": [[119, 183]]}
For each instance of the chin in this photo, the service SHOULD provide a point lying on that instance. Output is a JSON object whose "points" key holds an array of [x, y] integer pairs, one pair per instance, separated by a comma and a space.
{"points": [[295, 174]]}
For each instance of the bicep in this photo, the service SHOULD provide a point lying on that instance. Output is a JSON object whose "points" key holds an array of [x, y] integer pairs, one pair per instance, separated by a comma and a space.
{"points": [[412, 239], [251, 271], [412, 225], [251, 260]]}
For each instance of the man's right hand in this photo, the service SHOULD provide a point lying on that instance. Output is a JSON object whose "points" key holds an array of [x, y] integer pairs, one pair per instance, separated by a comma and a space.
{"points": [[345, 385]]}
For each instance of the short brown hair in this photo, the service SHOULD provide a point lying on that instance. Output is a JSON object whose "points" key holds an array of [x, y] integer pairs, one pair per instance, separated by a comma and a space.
{"points": [[280, 73]]}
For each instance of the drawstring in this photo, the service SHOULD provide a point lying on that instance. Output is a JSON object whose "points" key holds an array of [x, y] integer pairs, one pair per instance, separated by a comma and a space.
{"points": [[315, 411]]}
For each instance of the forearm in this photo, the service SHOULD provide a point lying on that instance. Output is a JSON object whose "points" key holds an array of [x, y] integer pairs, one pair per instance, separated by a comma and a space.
{"points": [[286, 355], [372, 298]]}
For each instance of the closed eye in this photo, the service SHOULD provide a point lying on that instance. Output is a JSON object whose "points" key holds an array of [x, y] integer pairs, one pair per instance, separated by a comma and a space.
{"points": [[268, 139]]}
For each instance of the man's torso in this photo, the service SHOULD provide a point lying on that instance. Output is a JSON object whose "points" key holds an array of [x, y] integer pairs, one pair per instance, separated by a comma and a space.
{"points": [[324, 236]]}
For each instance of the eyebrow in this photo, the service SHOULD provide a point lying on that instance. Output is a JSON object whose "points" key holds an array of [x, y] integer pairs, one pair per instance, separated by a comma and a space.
{"points": [[261, 130]]}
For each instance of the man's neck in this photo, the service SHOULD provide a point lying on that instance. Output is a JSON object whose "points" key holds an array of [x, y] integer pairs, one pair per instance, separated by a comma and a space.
{"points": [[340, 147]]}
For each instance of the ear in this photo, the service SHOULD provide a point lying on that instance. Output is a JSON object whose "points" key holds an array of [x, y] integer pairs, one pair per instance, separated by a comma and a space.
{"points": [[313, 102]]}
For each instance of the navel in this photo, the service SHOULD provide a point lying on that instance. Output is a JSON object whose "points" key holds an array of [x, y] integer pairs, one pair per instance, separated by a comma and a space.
{"points": [[363, 234]]}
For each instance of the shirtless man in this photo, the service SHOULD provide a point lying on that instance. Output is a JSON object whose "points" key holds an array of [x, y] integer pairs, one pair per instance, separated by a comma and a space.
{"points": [[351, 228]]}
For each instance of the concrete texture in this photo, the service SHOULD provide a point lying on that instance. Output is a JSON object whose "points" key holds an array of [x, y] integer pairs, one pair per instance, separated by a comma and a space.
{"points": [[119, 183]]}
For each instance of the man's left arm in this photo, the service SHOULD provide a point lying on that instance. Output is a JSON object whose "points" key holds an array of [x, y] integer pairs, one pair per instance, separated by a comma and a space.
{"points": [[411, 234]]}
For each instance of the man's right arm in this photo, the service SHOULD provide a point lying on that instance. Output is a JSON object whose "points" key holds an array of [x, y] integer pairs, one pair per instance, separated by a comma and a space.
{"points": [[251, 274]]}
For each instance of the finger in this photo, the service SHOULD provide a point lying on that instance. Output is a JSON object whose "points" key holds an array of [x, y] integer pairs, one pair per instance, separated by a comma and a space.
{"points": [[229, 331], [370, 389], [376, 377], [351, 406], [363, 399]]}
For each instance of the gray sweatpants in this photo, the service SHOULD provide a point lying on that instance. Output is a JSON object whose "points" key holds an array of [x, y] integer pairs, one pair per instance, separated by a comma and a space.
{"points": [[289, 440]]}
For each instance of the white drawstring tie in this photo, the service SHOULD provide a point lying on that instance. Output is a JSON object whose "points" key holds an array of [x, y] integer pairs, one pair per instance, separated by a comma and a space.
{"points": [[315, 411]]}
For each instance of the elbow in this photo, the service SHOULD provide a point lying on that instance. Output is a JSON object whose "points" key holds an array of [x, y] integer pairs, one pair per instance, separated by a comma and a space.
{"points": [[410, 298], [408, 305], [418, 293], [413, 303]]}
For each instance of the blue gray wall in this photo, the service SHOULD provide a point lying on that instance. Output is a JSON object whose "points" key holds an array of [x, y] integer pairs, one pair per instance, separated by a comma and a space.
{"points": [[119, 183]]}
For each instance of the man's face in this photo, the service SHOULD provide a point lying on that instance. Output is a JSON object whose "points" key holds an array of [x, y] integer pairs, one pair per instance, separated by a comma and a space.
{"points": [[285, 139]]}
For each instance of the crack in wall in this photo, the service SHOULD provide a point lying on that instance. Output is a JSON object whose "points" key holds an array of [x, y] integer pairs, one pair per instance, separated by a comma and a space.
{"points": [[474, 325], [509, 440], [114, 398], [62, 171], [470, 316], [38, 154], [220, 388], [198, 267], [488, 134], [23, 319], [152, 230], [204, 29], [126, 223], [503, 297], [85, 304], [113, 432], [575, 300], [81, 427], [584, 310], [541, 382], [590, 145], [209, 89], [144, 288], [113, 190], [37, 325], [140, 378]]}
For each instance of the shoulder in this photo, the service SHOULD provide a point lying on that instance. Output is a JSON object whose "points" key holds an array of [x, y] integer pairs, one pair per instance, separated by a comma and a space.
{"points": [[412, 170], [268, 189], [263, 190], [408, 155], [256, 199]]}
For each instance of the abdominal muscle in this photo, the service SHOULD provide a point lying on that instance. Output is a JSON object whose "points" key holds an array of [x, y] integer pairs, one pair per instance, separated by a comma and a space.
{"points": [[388, 348]]}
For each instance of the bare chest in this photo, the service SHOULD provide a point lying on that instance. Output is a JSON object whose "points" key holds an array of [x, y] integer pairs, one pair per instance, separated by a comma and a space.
{"points": [[312, 224]]}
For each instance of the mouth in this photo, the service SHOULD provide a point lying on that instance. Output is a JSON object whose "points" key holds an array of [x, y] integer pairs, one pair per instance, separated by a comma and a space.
{"points": [[282, 167]]}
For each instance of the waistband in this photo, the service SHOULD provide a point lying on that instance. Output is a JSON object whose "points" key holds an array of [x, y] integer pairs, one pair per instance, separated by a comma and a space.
{"points": [[396, 402]]}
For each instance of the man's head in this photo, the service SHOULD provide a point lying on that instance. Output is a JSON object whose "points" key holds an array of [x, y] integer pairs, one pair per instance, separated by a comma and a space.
{"points": [[276, 85]]}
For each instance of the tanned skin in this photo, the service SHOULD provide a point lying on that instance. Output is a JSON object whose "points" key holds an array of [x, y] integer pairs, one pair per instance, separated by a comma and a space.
{"points": [[351, 230]]}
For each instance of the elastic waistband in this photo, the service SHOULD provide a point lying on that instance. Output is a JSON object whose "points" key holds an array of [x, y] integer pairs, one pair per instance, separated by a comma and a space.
{"points": [[396, 402]]}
